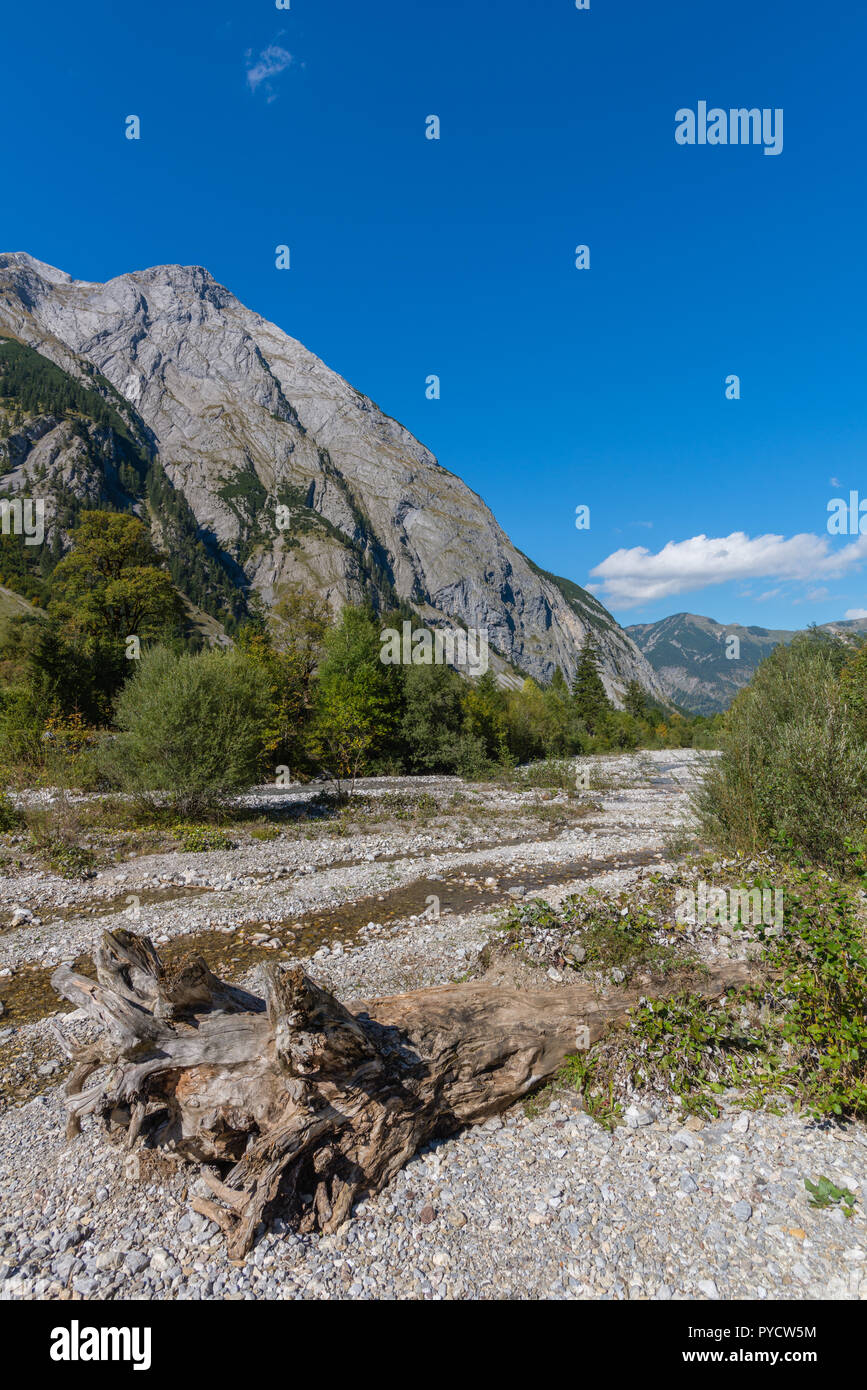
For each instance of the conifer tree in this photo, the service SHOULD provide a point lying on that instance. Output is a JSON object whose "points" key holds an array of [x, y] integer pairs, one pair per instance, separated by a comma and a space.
{"points": [[635, 700], [588, 692]]}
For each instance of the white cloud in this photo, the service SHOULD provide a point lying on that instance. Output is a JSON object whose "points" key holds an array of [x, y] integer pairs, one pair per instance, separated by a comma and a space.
{"points": [[813, 596], [855, 613], [638, 576], [270, 63]]}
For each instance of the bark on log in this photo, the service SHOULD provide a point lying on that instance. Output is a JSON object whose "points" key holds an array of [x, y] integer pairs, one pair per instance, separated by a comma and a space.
{"points": [[295, 1096]]}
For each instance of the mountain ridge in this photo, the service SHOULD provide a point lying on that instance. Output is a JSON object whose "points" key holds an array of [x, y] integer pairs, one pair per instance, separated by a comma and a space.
{"points": [[688, 653], [240, 419]]}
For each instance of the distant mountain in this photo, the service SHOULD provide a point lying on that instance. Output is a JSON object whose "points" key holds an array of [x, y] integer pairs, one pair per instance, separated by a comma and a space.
{"points": [[256, 465], [688, 654]]}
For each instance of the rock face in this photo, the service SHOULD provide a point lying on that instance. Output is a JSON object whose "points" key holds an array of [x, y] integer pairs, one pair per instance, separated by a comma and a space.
{"points": [[688, 654], [290, 473]]}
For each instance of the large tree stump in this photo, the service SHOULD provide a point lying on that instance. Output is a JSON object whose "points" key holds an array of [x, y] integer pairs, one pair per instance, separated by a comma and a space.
{"points": [[294, 1095]]}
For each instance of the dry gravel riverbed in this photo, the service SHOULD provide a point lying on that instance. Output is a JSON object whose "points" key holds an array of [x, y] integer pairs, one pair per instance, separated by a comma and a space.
{"points": [[530, 1205]]}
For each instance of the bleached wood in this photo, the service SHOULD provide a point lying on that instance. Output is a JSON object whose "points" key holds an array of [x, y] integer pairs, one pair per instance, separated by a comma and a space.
{"points": [[295, 1095]]}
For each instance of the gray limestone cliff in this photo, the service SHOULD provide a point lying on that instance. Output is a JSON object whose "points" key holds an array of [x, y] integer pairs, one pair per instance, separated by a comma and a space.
{"points": [[289, 472]]}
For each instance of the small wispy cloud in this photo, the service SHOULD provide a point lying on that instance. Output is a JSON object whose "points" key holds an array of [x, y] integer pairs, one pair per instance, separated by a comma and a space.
{"points": [[835, 482], [855, 613], [262, 71]]}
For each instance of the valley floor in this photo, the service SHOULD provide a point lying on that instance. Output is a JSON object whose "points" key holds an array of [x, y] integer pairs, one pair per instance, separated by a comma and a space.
{"points": [[540, 1203]]}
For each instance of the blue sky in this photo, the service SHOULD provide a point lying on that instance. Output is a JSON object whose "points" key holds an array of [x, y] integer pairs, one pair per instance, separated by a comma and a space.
{"points": [[409, 256]]}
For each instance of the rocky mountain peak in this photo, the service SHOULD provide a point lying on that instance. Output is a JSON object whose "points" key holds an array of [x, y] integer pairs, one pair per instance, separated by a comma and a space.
{"points": [[244, 421]]}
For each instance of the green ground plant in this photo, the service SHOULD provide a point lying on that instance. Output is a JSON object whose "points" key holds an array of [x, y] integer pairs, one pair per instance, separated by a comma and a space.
{"points": [[824, 1193], [797, 1035], [198, 839]]}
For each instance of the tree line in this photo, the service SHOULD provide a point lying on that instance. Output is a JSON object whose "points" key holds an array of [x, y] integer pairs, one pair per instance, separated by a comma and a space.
{"points": [[299, 693]]}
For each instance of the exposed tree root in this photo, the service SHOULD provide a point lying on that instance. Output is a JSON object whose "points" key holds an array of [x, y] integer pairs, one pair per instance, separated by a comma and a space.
{"points": [[294, 1095]]}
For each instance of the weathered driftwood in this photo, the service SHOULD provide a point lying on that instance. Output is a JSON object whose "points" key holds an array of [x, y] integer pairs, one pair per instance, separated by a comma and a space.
{"points": [[296, 1097]]}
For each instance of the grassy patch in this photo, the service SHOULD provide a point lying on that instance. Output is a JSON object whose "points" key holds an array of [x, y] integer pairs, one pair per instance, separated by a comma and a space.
{"points": [[582, 1073], [619, 938], [199, 839], [556, 773], [58, 836], [265, 832]]}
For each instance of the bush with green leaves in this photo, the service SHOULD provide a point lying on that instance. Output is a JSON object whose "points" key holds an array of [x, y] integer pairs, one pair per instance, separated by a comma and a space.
{"points": [[793, 767], [357, 701], [555, 773], [433, 718], [192, 729], [58, 833], [10, 816], [21, 725], [631, 933], [822, 996]]}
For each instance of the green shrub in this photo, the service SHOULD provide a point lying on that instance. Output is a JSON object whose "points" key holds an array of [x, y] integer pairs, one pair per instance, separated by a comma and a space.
{"points": [[20, 728], [69, 861], [793, 767], [822, 996], [629, 933], [471, 759], [558, 774], [10, 817], [57, 834], [192, 728]]}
